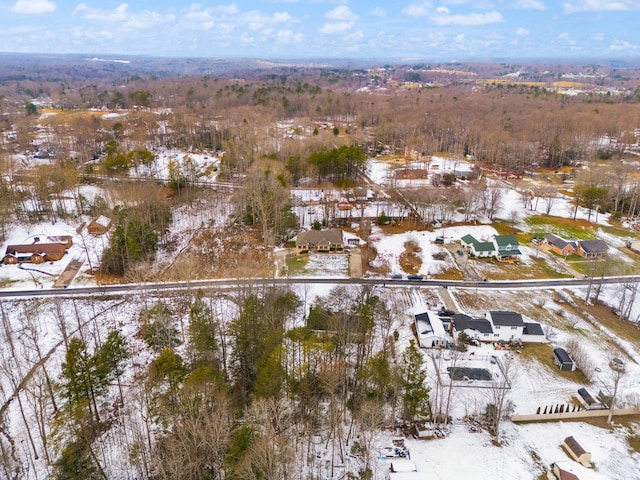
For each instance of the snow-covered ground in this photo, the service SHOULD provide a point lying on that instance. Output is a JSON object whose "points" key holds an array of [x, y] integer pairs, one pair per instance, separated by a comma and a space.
{"points": [[525, 450], [524, 454]]}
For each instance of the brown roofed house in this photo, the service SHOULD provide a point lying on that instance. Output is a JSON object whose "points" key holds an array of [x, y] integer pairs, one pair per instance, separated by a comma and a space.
{"points": [[319, 241], [34, 253]]}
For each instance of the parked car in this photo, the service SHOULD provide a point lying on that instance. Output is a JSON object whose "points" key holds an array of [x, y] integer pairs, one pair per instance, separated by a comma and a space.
{"points": [[460, 253], [414, 276], [396, 276]]}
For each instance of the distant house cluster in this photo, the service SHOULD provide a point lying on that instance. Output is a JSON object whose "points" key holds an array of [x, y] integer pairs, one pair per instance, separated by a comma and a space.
{"points": [[435, 329], [501, 247], [51, 250], [584, 248]]}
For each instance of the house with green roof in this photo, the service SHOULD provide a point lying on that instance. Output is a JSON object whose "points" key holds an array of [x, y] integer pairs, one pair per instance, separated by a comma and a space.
{"points": [[506, 246], [500, 246], [477, 248]]}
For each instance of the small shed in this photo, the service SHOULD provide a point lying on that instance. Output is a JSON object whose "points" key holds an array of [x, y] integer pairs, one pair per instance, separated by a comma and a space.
{"points": [[402, 465], [587, 400], [575, 451], [99, 226], [562, 359]]}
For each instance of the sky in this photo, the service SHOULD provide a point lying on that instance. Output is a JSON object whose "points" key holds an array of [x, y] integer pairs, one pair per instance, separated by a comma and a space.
{"points": [[359, 29]]}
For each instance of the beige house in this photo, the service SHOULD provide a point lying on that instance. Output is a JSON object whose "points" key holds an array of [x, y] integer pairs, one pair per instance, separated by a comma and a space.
{"points": [[575, 451], [320, 241]]}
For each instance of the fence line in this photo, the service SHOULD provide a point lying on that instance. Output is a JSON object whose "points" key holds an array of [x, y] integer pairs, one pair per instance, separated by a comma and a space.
{"points": [[544, 417]]}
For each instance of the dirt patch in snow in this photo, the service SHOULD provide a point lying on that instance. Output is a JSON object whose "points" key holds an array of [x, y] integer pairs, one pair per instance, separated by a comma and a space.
{"points": [[410, 259]]}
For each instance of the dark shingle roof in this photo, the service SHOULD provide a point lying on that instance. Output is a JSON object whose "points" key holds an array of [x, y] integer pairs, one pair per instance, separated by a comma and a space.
{"points": [[562, 355], [532, 329], [464, 322], [594, 246], [558, 242], [574, 446], [506, 319]]}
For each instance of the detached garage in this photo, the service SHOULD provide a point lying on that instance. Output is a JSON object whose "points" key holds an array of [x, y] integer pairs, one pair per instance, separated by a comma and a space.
{"points": [[562, 359]]}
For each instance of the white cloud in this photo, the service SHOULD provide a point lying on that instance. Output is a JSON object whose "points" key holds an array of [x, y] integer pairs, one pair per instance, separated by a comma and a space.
{"points": [[288, 37], [344, 18], [530, 4], [378, 12], [197, 17], [337, 27], [623, 45], [459, 38], [598, 36], [467, 20], [522, 31], [566, 39], [342, 14], [355, 36], [128, 20], [34, 7], [259, 21], [146, 20], [119, 14], [418, 9], [600, 5]]}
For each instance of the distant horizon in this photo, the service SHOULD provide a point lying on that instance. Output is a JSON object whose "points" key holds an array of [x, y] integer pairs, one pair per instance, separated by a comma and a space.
{"points": [[440, 30], [124, 58]]}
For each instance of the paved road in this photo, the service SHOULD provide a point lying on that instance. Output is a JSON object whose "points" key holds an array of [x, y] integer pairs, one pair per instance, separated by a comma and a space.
{"points": [[231, 283]]}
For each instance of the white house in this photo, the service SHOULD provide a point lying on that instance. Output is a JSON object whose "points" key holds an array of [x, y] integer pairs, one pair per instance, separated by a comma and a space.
{"points": [[500, 246], [507, 326], [499, 326], [476, 248]]}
